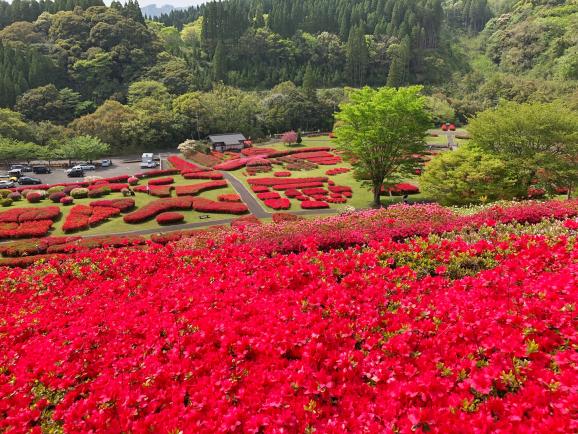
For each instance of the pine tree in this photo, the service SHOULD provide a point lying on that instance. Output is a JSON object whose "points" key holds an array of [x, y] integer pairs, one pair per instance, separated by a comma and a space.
{"points": [[309, 79], [219, 63], [357, 57]]}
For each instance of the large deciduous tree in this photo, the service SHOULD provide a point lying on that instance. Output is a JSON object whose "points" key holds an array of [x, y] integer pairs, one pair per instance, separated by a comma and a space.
{"points": [[539, 141], [383, 130]]}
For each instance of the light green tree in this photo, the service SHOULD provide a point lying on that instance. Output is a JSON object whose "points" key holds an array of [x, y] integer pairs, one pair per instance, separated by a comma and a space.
{"points": [[383, 130], [84, 148], [467, 175], [538, 141]]}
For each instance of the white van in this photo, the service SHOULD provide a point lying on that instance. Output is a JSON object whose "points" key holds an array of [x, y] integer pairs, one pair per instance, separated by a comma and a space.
{"points": [[148, 161]]}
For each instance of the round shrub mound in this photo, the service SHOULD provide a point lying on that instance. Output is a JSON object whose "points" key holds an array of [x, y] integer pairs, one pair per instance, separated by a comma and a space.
{"points": [[132, 180], [66, 200], [6, 201], [170, 218], [55, 189], [15, 195], [34, 197], [79, 193], [4, 193], [55, 197]]}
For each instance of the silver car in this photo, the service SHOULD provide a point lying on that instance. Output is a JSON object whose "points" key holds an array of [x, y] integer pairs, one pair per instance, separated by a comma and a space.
{"points": [[6, 184]]}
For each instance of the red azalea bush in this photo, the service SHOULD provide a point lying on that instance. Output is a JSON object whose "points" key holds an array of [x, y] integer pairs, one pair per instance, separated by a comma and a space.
{"points": [[533, 193], [161, 181], [281, 217], [249, 220], [81, 217], [232, 164], [292, 192], [335, 200], [66, 200], [339, 188], [259, 189], [156, 172], [253, 152], [301, 198], [270, 195], [289, 181], [276, 204], [34, 197], [55, 197], [25, 229], [282, 187], [124, 204], [312, 191], [168, 218], [205, 205], [160, 190], [458, 335], [181, 164], [401, 189], [203, 175], [30, 214], [194, 189], [337, 171], [347, 194], [133, 180], [98, 191], [314, 204], [151, 209], [229, 198]]}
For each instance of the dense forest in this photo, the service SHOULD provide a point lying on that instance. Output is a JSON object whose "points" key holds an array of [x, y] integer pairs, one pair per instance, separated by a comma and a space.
{"points": [[265, 66]]}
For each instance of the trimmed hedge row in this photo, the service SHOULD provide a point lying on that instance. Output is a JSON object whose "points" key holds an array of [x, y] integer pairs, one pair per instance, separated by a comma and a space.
{"points": [[155, 173], [277, 204], [160, 190], [181, 164], [152, 209], [169, 218], [194, 189], [25, 229], [276, 181], [30, 214], [249, 220], [280, 217], [269, 195], [205, 205], [282, 174], [35, 246], [314, 204], [203, 175], [81, 217], [337, 171], [294, 186], [123, 205], [229, 198], [161, 181]]}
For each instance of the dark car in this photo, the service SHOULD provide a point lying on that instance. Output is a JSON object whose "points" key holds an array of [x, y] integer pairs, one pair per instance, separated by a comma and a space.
{"points": [[41, 169], [27, 180], [75, 173], [22, 167]]}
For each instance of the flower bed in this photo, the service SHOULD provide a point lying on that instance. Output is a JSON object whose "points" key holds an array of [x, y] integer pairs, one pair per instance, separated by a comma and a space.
{"points": [[339, 188], [25, 229], [89, 244], [155, 173], [314, 204], [30, 214], [81, 217], [229, 198], [203, 175], [460, 336], [276, 181], [277, 204], [181, 164], [194, 189], [35, 246], [123, 205], [152, 209], [162, 181], [270, 195], [259, 188], [249, 220], [282, 217], [169, 218], [252, 152], [313, 191], [160, 190], [205, 205], [337, 171]]}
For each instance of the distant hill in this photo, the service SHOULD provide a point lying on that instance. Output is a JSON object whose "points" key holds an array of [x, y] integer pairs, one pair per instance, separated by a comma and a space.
{"points": [[157, 11]]}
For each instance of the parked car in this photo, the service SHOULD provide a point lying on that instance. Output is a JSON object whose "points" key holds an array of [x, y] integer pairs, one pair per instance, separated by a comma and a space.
{"points": [[85, 166], [75, 172], [106, 163], [22, 167], [28, 180], [15, 173], [41, 169], [7, 183], [148, 164]]}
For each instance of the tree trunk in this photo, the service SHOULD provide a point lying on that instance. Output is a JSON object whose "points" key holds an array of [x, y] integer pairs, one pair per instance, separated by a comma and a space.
{"points": [[377, 195]]}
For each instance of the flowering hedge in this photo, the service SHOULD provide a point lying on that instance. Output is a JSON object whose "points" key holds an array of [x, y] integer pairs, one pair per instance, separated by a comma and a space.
{"points": [[229, 198], [428, 335], [282, 174], [339, 188], [249, 220], [205, 205], [278, 203], [289, 181], [282, 217], [182, 165], [168, 218], [25, 229], [292, 192], [337, 171], [155, 173], [194, 189], [259, 188], [151, 209], [314, 204], [123, 205], [81, 217], [270, 195], [203, 175], [160, 190], [30, 214], [161, 181], [399, 189], [312, 191], [282, 187]]}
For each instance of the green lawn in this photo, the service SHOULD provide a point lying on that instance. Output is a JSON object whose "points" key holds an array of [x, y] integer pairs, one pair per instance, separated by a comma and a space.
{"points": [[440, 140]]}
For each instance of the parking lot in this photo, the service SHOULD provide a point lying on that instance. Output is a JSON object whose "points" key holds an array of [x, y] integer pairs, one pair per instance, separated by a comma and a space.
{"points": [[119, 166]]}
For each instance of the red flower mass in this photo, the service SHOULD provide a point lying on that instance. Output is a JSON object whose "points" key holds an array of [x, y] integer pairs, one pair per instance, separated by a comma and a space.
{"points": [[334, 325]]}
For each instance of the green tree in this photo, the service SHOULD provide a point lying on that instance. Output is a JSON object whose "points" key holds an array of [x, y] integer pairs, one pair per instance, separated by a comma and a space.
{"points": [[84, 148], [383, 130], [219, 63], [539, 141], [467, 175], [13, 126]]}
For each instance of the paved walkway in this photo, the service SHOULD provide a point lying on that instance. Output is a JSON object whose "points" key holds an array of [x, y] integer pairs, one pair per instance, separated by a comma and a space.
{"points": [[247, 197]]}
